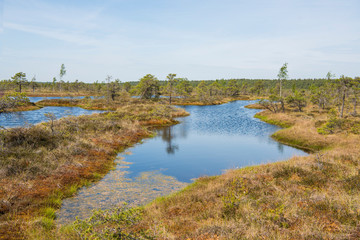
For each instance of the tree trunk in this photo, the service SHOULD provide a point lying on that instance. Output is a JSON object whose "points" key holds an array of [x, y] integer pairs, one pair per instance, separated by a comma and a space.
{"points": [[170, 93], [342, 105], [282, 105], [299, 106], [355, 104]]}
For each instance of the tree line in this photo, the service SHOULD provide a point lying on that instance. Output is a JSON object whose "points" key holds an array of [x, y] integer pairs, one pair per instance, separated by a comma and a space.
{"points": [[332, 93]]}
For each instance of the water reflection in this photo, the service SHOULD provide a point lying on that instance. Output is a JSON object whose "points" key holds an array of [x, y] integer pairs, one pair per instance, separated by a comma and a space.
{"points": [[280, 147], [37, 99], [168, 137]]}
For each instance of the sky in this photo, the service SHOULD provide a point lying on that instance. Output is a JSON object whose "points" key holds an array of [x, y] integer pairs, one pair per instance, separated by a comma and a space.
{"points": [[196, 39]]}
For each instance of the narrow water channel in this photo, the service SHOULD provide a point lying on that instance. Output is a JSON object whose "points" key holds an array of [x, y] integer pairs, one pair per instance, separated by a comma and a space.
{"points": [[37, 99], [209, 141]]}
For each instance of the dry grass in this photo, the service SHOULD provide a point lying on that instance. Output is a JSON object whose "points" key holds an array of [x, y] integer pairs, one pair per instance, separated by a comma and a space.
{"points": [[25, 107], [86, 103], [255, 106]]}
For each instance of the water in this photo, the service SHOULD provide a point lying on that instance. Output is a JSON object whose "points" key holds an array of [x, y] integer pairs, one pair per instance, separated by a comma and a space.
{"points": [[24, 118], [37, 99], [209, 141]]}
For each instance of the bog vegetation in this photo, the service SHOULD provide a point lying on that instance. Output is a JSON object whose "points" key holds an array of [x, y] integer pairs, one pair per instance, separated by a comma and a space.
{"points": [[312, 197]]}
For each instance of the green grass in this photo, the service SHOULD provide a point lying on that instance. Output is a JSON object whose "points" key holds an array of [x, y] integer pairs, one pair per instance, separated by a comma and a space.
{"points": [[47, 223], [298, 143], [49, 213], [279, 123]]}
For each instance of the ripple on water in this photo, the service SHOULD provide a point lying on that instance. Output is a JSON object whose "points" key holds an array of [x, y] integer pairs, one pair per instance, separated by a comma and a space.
{"points": [[115, 189]]}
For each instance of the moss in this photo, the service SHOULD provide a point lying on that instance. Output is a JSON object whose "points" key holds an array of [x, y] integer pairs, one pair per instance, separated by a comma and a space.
{"points": [[54, 201], [49, 213], [47, 223], [298, 143], [279, 123]]}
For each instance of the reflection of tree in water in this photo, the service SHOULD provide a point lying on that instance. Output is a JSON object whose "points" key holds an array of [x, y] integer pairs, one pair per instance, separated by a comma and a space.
{"points": [[280, 147], [167, 136], [183, 129]]}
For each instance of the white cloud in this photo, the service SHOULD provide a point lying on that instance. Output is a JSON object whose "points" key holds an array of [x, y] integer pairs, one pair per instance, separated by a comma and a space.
{"points": [[58, 34]]}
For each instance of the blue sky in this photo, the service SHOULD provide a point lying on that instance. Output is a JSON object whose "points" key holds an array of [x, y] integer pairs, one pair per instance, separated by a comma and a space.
{"points": [[197, 39]]}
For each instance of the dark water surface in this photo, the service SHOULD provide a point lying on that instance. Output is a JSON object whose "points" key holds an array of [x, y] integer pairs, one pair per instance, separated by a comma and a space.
{"points": [[209, 141], [18, 119], [37, 99]]}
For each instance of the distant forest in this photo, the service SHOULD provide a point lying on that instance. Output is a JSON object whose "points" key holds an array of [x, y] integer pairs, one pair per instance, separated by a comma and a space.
{"points": [[247, 85]]}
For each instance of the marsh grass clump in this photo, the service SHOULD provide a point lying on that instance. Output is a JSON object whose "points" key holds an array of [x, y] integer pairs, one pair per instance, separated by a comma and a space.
{"points": [[47, 223], [332, 124], [231, 201], [23, 151], [288, 171], [352, 183], [50, 213], [114, 224]]}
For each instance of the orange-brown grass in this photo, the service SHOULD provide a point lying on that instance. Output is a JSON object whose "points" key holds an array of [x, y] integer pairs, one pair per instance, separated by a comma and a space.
{"points": [[96, 104], [24, 107], [255, 106], [311, 197], [40, 167], [100, 104]]}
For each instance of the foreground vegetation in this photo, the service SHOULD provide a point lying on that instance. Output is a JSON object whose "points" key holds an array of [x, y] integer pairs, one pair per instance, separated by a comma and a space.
{"points": [[42, 164], [312, 197]]}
